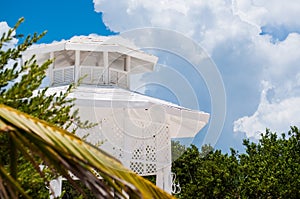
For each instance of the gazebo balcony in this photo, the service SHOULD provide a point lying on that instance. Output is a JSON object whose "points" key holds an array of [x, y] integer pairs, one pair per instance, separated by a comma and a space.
{"points": [[98, 60], [94, 75]]}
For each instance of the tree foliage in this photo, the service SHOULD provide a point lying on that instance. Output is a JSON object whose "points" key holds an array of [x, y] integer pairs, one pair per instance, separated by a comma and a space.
{"points": [[206, 173], [19, 81], [269, 168]]}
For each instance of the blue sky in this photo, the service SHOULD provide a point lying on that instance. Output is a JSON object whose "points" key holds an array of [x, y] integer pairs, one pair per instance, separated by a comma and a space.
{"points": [[254, 44], [62, 19]]}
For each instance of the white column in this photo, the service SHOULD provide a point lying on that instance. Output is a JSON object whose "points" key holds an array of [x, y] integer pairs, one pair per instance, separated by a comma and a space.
{"points": [[51, 67], [164, 163], [163, 178], [106, 68], [167, 179], [127, 63], [127, 69], [160, 178], [77, 66], [167, 168], [127, 139]]}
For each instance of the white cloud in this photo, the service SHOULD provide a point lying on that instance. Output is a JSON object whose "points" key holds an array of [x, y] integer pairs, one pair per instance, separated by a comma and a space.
{"points": [[275, 12], [279, 106], [277, 116], [208, 22], [230, 32], [3, 29], [282, 64]]}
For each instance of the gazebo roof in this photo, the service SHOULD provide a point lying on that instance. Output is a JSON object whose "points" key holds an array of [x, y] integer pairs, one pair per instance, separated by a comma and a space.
{"points": [[183, 122], [94, 43]]}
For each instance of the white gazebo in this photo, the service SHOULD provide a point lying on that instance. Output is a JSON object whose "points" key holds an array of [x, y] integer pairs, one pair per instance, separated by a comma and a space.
{"points": [[134, 128]]}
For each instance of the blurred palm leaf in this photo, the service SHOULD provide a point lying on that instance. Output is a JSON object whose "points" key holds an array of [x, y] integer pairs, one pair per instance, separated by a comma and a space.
{"points": [[64, 152]]}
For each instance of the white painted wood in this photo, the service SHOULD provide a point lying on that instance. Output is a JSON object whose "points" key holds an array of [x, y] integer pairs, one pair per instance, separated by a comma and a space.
{"points": [[51, 67], [95, 44], [106, 68], [77, 65], [128, 69], [167, 178]]}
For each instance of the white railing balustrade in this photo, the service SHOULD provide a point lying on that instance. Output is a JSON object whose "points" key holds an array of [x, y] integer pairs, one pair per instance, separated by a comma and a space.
{"points": [[63, 75], [91, 75], [118, 77]]}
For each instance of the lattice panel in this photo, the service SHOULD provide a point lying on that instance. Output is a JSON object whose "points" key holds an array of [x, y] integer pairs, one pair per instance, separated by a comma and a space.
{"points": [[144, 152], [138, 153], [162, 137], [137, 167], [154, 129], [150, 168], [144, 157], [150, 152], [163, 144], [118, 153], [114, 138]]}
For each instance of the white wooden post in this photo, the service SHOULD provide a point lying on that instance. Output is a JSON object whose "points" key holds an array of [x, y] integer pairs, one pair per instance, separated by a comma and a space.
{"points": [[77, 66], [160, 178], [167, 178], [163, 178], [127, 69], [167, 169], [164, 163], [106, 68], [51, 67]]}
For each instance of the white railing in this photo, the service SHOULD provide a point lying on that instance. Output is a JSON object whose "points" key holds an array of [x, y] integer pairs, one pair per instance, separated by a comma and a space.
{"points": [[91, 75], [118, 77], [63, 75]]}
